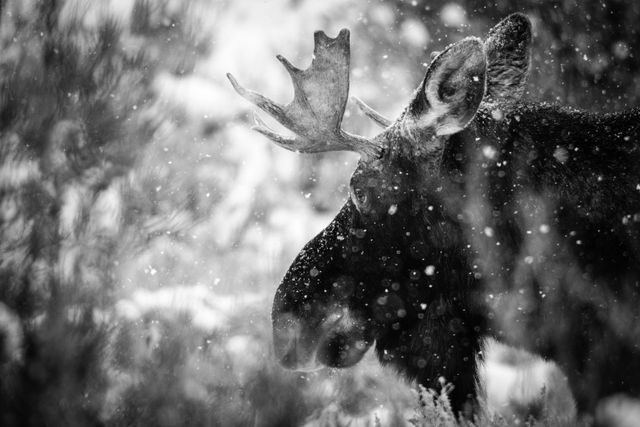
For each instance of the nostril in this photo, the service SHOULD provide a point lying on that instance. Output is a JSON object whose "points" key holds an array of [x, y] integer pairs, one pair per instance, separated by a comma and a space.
{"points": [[290, 359], [333, 352], [294, 345], [288, 351], [299, 357], [286, 331], [343, 349]]}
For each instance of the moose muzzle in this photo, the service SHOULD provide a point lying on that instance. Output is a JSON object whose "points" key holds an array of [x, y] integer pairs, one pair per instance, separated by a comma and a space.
{"points": [[340, 339]]}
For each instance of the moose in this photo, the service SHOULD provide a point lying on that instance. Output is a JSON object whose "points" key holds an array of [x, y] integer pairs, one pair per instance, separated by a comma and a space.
{"points": [[474, 214]]}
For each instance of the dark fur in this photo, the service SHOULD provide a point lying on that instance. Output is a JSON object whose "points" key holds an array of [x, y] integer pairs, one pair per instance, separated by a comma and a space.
{"points": [[578, 174], [369, 257], [524, 226]]}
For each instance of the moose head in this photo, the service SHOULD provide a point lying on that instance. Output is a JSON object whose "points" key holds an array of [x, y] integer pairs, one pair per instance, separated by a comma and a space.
{"points": [[393, 267]]}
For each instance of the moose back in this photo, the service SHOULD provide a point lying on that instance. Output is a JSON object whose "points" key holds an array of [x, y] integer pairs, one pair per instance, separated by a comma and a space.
{"points": [[473, 214]]}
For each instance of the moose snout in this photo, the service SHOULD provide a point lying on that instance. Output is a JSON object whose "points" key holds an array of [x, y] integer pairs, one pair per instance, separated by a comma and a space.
{"points": [[339, 340], [295, 348]]}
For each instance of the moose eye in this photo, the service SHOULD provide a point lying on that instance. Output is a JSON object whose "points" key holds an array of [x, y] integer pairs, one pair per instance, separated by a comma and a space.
{"points": [[359, 196]]}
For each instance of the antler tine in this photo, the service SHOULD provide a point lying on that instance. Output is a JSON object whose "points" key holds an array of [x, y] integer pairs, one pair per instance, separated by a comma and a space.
{"points": [[255, 98], [371, 113], [320, 97], [260, 126]]}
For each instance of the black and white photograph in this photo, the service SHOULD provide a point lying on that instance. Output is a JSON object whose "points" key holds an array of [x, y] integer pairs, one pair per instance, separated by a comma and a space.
{"points": [[336, 213]]}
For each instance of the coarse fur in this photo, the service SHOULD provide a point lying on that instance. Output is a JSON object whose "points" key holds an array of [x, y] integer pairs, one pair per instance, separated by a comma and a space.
{"points": [[552, 193], [524, 225]]}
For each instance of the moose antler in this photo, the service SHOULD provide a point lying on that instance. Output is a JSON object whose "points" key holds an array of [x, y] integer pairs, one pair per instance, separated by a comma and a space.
{"points": [[320, 97], [371, 113]]}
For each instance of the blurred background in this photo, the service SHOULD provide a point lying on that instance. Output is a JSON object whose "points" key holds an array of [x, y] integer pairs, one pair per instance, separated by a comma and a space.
{"points": [[144, 227]]}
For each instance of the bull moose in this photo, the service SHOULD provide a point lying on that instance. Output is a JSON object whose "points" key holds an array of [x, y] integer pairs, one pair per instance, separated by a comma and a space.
{"points": [[473, 214]]}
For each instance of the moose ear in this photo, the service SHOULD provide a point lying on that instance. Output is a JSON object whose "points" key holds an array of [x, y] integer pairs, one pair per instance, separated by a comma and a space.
{"points": [[508, 50], [453, 87]]}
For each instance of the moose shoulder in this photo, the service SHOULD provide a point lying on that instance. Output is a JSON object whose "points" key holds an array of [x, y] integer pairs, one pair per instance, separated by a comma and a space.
{"points": [[472, 214]]}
